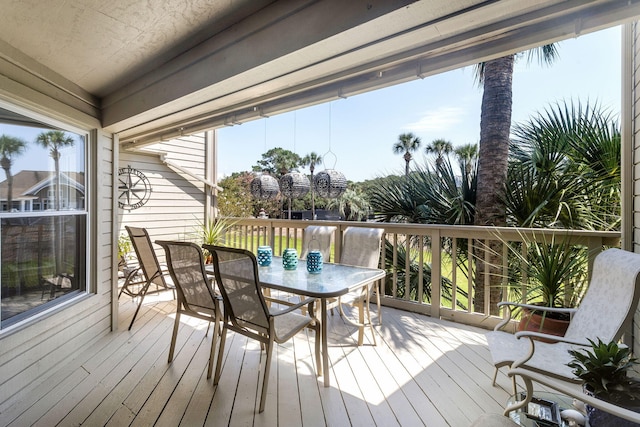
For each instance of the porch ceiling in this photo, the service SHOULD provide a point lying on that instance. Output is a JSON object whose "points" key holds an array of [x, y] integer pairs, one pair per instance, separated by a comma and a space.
{"points": [[155, 70]]}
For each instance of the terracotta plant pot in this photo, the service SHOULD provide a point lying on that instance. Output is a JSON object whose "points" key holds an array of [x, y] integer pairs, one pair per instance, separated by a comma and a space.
{"points": [[536, 322]]}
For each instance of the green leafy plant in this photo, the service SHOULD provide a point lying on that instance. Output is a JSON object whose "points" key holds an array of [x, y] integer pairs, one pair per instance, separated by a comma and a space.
{"points": [[604, 369], [212, 231], [552, 272], [124, 248]]}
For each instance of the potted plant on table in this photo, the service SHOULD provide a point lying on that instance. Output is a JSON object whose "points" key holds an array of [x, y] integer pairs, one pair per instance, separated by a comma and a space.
{"points": [[605, 370]]}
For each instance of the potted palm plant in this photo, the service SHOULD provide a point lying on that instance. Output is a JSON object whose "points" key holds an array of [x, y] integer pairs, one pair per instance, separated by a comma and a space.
{"points": [[552, 274], [212, 232], [605, 370]]}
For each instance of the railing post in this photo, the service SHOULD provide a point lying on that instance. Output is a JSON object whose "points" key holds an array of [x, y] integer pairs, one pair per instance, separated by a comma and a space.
{"points": [[436, 273]]}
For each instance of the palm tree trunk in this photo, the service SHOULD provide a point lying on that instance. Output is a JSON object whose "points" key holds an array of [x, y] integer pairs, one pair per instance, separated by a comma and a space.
{"points": [[313, 199], [407, 159], [495, 124], [7, 172], [9, 190]]}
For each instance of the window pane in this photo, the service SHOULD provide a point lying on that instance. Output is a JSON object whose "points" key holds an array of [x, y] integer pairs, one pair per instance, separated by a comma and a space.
{"points": [[42, 260], [42, 255]]}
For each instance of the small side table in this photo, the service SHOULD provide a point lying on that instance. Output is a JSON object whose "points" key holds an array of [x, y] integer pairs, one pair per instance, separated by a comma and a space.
{"points": [[563, 402]]}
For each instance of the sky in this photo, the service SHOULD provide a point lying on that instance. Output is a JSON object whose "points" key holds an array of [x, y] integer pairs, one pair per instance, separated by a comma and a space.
{"points": [[360, 131], [36, 157]]}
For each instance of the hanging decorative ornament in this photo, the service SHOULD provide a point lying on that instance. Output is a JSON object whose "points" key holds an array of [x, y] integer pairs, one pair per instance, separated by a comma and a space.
{"points": [[294, 184], [329, 183], [264, 187]]}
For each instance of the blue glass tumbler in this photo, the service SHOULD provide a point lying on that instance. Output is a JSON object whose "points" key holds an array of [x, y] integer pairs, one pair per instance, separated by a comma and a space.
{"points": [[264, 256], [314, 262], [290, 259]]}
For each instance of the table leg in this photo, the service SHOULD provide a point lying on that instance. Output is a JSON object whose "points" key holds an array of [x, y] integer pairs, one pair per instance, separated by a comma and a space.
{"points": [[323, 333]]}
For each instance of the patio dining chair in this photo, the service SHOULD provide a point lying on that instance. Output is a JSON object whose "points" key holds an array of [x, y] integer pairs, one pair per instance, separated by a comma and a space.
{"points": [[246, 311], [317, 237], [196, 297], [605, 311], [149, 269], [360, 247]]}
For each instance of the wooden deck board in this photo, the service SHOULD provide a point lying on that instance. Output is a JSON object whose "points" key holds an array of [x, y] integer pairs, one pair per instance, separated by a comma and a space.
{"points": [[422, 372]]}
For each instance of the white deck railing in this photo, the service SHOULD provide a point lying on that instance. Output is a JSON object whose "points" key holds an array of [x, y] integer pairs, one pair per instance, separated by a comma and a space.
{"points": [[435, 288]]}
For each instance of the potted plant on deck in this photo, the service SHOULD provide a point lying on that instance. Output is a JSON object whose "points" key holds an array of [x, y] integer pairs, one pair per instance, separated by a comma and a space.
{"points": [[551, 274], [212, 232], [605, 370]]}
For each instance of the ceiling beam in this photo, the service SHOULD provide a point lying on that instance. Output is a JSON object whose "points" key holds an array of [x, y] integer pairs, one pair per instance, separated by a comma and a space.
{"points": [[510, 35], [238, 56]]}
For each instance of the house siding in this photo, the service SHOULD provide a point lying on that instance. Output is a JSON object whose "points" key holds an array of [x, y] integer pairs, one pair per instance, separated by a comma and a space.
{"points": [[631, 81], [32, 351], [177, 202]]}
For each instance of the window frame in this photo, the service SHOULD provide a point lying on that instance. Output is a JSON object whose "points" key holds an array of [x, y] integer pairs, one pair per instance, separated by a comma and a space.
{"points": [[90, 135]]}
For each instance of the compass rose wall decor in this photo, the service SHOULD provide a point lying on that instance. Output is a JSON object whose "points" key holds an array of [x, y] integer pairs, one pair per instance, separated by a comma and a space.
{"points": [[134, 188]]}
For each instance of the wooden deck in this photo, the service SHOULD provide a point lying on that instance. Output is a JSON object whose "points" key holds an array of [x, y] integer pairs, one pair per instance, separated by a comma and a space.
{"points": [[423, 371]]}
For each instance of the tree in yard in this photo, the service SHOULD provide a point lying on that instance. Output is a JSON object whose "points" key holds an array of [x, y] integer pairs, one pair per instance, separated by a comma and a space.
{"points": [[10, 147], [278, 161], [564, 169], [439, 147], [496, 77], [467, 156], [235, 200], [54, 140], [312, 159], [407, 143], [352, 205]]}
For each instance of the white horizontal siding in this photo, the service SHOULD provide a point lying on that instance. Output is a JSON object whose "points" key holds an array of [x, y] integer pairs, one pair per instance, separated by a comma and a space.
{"points": [[177, 202]]}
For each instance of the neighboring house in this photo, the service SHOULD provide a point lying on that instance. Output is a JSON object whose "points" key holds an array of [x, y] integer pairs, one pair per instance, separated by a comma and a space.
{"points": [[35, 191], [119, 79]]}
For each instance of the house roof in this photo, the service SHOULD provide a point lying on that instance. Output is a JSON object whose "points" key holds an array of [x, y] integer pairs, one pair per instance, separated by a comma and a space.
{"points": [[27, 183], [156, 70]]}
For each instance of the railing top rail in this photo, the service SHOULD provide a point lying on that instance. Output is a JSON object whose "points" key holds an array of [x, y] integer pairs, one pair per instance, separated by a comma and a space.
{"points": [[467, 231]]}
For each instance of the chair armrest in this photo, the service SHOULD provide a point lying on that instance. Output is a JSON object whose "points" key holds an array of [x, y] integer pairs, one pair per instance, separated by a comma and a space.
{"points": [[294, 307], [556, 338], [564, 388], [537, 307], [510, 306]]}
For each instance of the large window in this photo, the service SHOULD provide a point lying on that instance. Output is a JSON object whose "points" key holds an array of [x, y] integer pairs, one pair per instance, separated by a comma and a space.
{"points": [[43, 215]]}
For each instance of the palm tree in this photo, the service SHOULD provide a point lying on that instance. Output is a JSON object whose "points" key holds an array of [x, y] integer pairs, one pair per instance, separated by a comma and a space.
{"points": [[407, 143], [54, 140], [312, 159], [352, 205], [439, 147], [564, 169], [496, 77], [10, 147], [495, 124], [467, 156]]}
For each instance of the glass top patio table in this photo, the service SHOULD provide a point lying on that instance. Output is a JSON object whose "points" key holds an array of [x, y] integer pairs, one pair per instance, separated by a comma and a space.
{"points": [[333, 281]]}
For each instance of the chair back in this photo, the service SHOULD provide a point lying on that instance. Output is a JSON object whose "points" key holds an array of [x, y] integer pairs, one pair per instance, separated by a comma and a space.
{"points": [[236, 273], [146, 255], [186, 267], [322, 234], [361, 247], [611, 299]]}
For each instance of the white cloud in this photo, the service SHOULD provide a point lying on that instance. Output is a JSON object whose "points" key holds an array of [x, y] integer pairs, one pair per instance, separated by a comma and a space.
{"points": [[438, 120]]}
